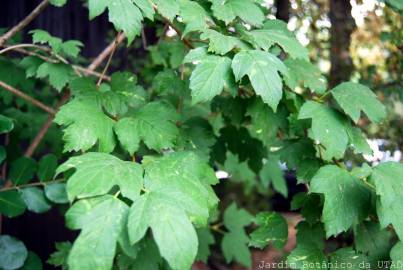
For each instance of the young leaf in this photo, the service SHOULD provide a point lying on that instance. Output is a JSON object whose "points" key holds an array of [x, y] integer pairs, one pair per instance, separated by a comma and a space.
{"points": [[100, 220], [97, 173], [59, 74], [388, 181], [124, 15], [209, 78], [262, 69], [228, 10], [11, 203], [35, 200], [154, 124], [354, 98], [13, 252], [219, 43], [346, 198], [87, 125], [59, 257], [272, 228], [234, 243], [328, 128]]}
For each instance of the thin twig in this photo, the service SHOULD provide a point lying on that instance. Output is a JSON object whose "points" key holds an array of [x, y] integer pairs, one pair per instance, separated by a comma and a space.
{"points": [[36, 184], [24, 22], [144, 39], [115, 45], [84, 70], [105, 53], [30, 99]]}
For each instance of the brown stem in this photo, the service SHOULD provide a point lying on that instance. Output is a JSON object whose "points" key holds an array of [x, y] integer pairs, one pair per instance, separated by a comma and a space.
{"points": [[115, 45], [27, 98], [105, 53], [24, 22]]}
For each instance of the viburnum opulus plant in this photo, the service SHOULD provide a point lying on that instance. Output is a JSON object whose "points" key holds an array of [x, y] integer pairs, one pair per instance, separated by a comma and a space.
{"points": [[230, 90]]}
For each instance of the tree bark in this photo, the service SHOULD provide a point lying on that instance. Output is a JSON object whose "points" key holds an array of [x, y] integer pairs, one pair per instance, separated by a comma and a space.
{"points": [[342, 26], [283, 10]]}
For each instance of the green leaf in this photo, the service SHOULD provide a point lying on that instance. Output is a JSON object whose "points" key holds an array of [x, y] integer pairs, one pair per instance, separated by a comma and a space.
{"points": [[195, 55], [11, 203], [358, 141], [167, 8], [22, 170], [206, 239], [31, 65], [347, 256], [370, 239], [100, 220], [307, 169], [47, 167], [186, 179], [265, 123], [228, 10], [235, 243], [219, 43], [346, 198], [56, 193], [328, 128], [58, 3], [124, 15], [309, 251], [33, 262], [209, 78], [59, 74], [172, 230], [13, 252], [266, 38], [97, 173], [388, 181], [194, 16], [307, 257], [302, 72], [272, 173], [148, 256], [396, 254], [240, 172], [262, 69], [6, 124], [146, 8], [59, 257], [272, 228], [35, 200], [86, 125], [354, 98], [154, 124]]}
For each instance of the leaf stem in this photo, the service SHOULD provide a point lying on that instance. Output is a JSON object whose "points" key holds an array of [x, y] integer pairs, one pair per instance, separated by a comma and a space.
{"points": [[33, 185], [115, 45]]}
